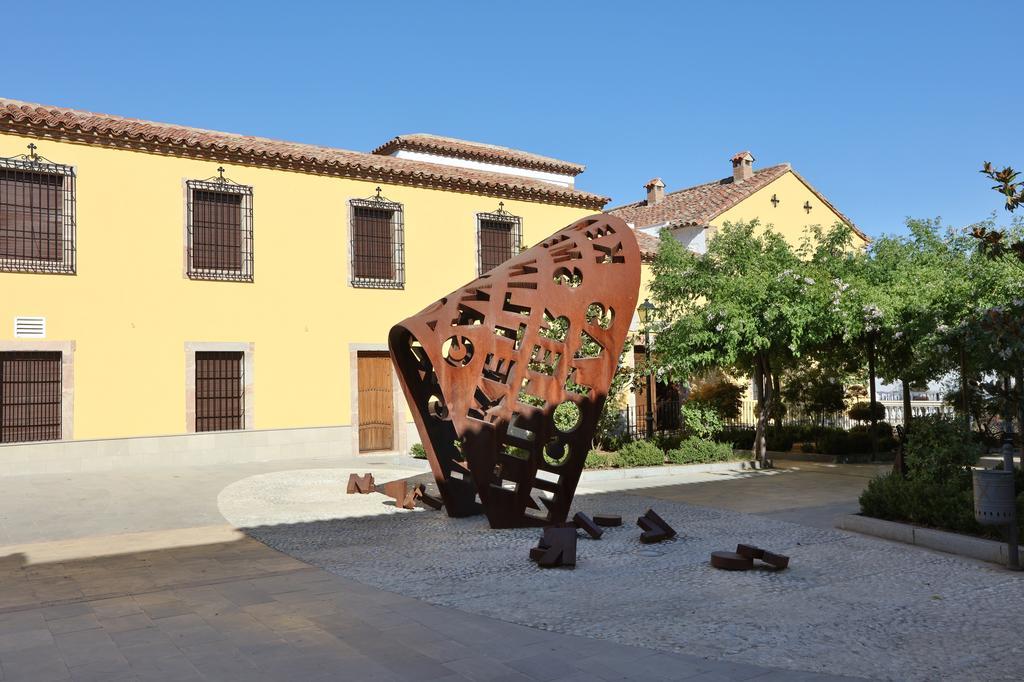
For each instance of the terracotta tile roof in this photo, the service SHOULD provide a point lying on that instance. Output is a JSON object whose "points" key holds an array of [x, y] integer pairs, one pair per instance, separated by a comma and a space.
{"points": [[648, 245], [477, 151], [40, 121], [697, 206]]}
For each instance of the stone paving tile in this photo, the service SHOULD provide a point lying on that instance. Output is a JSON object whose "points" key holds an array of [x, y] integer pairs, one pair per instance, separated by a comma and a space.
{"points": [[37, 664], [85, 621], [239, 610]]}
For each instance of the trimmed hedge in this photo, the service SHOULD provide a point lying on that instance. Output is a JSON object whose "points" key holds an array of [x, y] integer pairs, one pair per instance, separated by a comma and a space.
{"points": [[597, 459], [938, 490], [418, 451], [695, 450], [640, 453]]}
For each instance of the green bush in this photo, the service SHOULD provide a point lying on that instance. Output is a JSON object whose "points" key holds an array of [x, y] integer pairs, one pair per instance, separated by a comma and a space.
{"points": [[938, 489], [842, 443], [862, 412], [938, 448], [640, 453], [668, 441], [567, 416], [418, 451], [780, 440], [883, 436], [695, 450], [741, 438], [701, 420], [939, 504], [614, 442], [599, 459]]}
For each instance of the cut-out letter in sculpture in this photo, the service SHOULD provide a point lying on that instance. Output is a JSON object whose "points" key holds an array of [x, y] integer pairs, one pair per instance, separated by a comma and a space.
{"points": [[485, 368]]}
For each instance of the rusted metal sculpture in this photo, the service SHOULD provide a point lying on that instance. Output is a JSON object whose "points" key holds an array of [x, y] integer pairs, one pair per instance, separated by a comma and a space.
{"points": [[485, 368]]}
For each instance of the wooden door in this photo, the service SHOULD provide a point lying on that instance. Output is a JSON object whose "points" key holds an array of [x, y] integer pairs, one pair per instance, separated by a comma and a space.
{"points": [[639, 358], [376, 402]]}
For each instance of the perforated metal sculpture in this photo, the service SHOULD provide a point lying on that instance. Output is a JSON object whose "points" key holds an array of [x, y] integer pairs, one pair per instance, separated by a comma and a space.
{"points": [[485, 368]]}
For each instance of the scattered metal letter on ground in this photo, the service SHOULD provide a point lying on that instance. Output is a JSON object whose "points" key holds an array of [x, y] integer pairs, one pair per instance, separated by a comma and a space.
{"points": [[363, 485], [655, 528], [557, 547], [485, 368], [587, 525], [731, 561]]}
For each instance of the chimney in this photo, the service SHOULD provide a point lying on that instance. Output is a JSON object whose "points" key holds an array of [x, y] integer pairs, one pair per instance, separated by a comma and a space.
{"points": [[655, 191], [742, 167]]}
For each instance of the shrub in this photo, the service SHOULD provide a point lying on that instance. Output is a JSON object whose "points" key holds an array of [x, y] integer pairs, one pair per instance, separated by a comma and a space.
{"points": [[883, 436], [780, 440], [938, 449], [842, 443], [567, 416], [739, 437], [700, 420], [861, 411], [695, 450], [640, 453], [418, 451], [947, 504], [598, 459], [667, 441], [614, 442], [724, 397], [938, 489]]}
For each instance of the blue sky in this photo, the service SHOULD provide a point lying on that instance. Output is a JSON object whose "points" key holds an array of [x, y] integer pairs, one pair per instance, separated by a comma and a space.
{"points": [[889, 108]]}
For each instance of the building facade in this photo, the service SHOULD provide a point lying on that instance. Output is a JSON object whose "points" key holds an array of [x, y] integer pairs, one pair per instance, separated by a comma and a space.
{"points": [[174, 294], [776, 196]]}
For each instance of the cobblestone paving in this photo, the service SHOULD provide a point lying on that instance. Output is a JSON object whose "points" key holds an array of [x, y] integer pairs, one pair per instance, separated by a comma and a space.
{"points": [[848, 604]]}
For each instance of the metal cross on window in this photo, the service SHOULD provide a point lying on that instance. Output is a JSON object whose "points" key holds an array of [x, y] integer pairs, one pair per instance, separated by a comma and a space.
{"points": [[807, 206], [775, 201], [220, 169], [32, 151]]}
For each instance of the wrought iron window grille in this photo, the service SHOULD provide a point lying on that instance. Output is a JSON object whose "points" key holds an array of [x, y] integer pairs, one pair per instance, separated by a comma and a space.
{"points": [[219, 229], [220, 391], [499, 236], [37, 215], [30, 396], [377, 247]]}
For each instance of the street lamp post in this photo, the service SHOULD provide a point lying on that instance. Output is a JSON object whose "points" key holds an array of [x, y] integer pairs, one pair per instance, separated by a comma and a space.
{"points": [[643, 312]]}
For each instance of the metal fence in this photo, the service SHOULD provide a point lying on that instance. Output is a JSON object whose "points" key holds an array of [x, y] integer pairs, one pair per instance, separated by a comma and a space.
{"points": [[667, 418]]}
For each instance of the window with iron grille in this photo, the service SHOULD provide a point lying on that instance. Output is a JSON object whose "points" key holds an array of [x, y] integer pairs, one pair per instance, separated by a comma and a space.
{"points": [[220, 390], [219, 230], [30, 396], [499, 237], [378, 243], [37, 215]]}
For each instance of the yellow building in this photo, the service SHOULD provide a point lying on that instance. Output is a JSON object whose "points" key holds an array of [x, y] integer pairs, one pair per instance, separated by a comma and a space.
{"points": [[776, 196], [158, 282]]}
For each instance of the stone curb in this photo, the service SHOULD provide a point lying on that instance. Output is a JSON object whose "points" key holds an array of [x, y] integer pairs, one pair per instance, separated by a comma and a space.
{"points": [[939, 540]]}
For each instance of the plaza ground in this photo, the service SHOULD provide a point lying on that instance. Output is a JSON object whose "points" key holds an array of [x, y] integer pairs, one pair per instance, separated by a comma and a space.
{"points": [[145, 575]]}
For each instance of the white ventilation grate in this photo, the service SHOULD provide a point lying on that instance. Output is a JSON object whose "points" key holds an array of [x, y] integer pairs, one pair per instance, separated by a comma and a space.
{"points": [[29, 327]]}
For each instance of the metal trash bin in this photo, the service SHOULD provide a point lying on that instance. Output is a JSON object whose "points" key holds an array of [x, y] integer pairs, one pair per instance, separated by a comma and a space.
{"points": [[994, 499]]}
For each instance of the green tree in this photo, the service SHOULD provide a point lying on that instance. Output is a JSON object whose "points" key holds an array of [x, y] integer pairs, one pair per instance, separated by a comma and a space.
{"points": [[746, 307]]}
